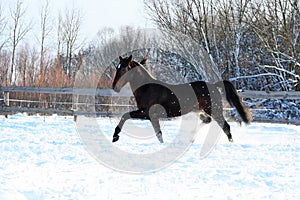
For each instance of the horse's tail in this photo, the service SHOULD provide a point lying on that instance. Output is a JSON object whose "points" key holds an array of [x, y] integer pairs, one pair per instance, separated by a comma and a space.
{"points": [[235, 100]]}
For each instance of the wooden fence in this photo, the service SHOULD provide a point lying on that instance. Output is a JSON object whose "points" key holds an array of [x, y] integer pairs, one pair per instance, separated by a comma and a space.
{"points": [[6, 109]]}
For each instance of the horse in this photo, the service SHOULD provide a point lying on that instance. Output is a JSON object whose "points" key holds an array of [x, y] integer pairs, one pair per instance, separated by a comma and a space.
{"points": [[156, 99]]}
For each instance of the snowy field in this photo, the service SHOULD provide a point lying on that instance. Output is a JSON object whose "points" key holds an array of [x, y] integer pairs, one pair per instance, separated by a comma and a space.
{"points": [[44, 158]]}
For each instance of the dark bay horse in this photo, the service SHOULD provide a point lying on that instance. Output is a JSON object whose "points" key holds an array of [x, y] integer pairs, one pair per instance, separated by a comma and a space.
{"points": [[156, 99]]}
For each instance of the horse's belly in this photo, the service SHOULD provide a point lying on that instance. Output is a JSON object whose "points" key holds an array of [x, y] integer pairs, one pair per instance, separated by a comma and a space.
{"points": [[181, 108]]}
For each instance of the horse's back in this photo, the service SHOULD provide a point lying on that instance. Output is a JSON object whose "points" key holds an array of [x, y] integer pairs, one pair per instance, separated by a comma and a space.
{"points": [[202, 88]]}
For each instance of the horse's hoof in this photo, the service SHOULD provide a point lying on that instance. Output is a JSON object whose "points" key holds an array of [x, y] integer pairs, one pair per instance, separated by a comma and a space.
{"points": [[230, 140], [205, 118], [159, 137], [115, 138]]}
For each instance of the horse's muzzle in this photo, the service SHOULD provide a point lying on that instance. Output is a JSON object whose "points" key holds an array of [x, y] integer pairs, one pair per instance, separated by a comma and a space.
{"points": [[116, 88]]}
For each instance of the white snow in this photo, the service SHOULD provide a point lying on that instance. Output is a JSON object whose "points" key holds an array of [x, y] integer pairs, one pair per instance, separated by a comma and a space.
{"points": [[44, 158]]}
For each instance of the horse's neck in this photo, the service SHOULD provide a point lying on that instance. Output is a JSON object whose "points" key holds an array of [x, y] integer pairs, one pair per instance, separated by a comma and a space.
{"points": [[145, 74], [141, 78]]}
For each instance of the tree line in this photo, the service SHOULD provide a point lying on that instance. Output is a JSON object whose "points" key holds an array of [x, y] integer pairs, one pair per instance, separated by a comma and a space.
{"points": [[253, 43], [34, 56], [256, 43]]}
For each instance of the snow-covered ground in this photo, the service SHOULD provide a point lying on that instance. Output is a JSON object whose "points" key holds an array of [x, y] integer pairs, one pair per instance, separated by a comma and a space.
{"points": [[45, 158]]}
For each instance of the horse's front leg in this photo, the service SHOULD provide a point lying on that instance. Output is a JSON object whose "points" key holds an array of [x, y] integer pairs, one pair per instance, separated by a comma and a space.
{"points": [[138, 114]]}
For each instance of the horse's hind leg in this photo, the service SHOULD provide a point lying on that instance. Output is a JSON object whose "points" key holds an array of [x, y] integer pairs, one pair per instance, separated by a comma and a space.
{"points": [[156, 112], [217, 115], [205, 118], [156, 126], [224, 125]]}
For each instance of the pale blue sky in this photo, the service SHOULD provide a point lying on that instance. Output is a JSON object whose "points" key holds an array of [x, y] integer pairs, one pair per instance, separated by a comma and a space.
{"points": [[97, 14], [110, 13]]}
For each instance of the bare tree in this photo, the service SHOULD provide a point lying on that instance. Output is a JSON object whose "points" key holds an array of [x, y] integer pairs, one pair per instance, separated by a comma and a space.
{"points": [[101, 56], [108, 45], [246, 38], [4, 61], [18, 31], [186, 24], [59, 36], [277, 26], [70, 30], [45, 31], [3, 24], [231, 20], [4, 67]]}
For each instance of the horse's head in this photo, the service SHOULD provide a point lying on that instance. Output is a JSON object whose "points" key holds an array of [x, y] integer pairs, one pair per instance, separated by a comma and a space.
{"points": [[123, 67]]}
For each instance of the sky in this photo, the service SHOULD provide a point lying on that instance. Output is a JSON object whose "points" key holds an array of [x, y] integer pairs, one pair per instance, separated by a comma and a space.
{"points": [[97, 14], [108, 13]]}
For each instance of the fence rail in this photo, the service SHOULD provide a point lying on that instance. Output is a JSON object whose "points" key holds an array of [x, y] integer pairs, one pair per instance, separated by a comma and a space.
{"points": [[7, 109], [292, 95], [68, 90], [127, 92]]}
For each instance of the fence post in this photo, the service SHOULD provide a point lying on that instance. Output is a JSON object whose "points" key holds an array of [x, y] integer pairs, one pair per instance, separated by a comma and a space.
{"points": [[75, 118], [74, 105], [6, 100]]}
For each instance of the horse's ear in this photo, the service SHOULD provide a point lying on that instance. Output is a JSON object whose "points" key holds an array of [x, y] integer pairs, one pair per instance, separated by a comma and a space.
{"points": [[130, 58], [143, 62], [120, 57]]}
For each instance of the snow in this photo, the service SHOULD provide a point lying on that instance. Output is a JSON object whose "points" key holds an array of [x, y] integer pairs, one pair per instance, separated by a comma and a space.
{"points": [[43, 157]]}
